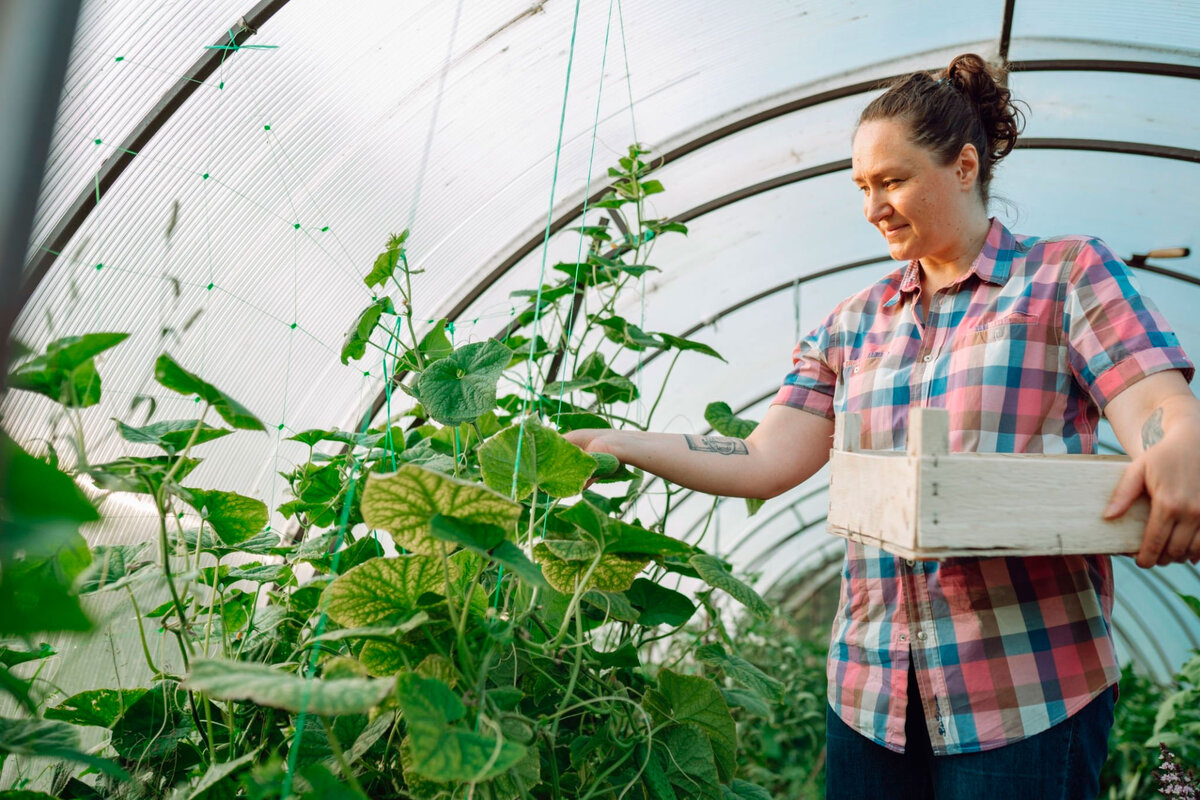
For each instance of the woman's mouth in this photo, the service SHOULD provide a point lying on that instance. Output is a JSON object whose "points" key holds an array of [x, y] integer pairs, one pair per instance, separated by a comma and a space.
{"points": [[891, 232]]}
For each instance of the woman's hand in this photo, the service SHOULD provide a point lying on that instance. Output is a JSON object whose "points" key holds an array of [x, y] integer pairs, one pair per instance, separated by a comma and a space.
{"points": [[1166, 465]]}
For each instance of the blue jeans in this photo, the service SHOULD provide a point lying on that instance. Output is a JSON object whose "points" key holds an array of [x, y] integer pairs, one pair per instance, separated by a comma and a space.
{"points": [[1062, 763]]}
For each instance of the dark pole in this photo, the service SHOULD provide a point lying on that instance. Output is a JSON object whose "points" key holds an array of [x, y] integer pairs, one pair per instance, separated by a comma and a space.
{"points": [[35, 43]]}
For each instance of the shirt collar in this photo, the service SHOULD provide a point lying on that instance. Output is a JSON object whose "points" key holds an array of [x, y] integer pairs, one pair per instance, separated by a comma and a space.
{"points": [[992, 265]]}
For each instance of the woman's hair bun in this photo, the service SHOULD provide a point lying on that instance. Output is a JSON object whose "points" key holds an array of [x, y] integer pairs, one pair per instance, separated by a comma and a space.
{"points": [[983, 86]]}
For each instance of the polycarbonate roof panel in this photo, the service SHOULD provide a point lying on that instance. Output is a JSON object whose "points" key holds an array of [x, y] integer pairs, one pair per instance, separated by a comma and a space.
{"points": [[1154, 30], [124, 57]]}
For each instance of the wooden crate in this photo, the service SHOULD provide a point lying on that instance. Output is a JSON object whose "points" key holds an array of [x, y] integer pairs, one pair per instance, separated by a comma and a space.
{"points": [[928, 503]]}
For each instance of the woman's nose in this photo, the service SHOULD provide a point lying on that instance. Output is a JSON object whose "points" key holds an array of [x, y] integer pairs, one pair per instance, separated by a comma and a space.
{"points": [[877, 207]]}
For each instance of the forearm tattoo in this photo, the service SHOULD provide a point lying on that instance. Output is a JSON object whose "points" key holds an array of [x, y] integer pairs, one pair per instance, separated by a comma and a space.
{"points": [[1152, 431], [721, 445]]}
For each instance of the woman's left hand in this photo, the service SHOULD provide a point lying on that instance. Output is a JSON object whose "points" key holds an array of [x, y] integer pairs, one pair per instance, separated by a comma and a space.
{"points": [[1166, 467]]}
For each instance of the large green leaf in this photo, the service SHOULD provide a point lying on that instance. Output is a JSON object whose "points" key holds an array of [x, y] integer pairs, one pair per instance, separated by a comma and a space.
{"points": [[489, 542], [51, 739], [690, 763], [264, 543], [274, 688], [234, 517], [741, 671], [35, 591], [168, 372], [100, 707], [547, 462], [614, 573], [386, 262], [41, 508], [594, 376], [694, 700], [712, 571], [355, 343], [171, 435], [462, 386], [722, 418], [387, 590], [617, 536], [403, 502], [440, 750], [10, 657], [66, 372], [659, 605]]}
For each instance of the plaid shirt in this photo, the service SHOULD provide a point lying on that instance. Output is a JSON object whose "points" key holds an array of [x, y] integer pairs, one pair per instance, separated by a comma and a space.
{"points": [[1024, 351]]}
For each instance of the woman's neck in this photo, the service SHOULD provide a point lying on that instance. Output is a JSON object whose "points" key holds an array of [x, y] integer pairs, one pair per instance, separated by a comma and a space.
{"points": [[953, 261]]}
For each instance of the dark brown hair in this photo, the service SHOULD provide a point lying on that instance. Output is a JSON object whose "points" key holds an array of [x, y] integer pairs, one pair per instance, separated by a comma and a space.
{"points": [[967, 103]]}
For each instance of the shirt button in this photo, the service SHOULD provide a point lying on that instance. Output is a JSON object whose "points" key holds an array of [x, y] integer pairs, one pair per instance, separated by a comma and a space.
{"points": [[928, 357], [903, 637], [921, 635], [910, 562]]}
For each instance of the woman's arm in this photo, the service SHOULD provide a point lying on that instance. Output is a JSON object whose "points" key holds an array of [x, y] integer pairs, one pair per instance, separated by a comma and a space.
{"points": [[786, 448], [1157, 420]]}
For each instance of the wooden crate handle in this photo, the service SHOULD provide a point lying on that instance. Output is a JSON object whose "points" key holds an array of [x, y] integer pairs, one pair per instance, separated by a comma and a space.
{"points": [[847, 433], [928, 432]]}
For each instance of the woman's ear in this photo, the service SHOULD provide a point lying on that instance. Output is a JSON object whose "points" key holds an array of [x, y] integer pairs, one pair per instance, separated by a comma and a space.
{"points": [[967, 166]]}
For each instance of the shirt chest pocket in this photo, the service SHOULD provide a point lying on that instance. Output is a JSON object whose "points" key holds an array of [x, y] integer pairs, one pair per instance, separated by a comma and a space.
{"points": [[1017, 325], [867, 382]]}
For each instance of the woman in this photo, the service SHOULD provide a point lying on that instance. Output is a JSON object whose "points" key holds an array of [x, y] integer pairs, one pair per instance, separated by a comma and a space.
{"points": [[984, 677]]}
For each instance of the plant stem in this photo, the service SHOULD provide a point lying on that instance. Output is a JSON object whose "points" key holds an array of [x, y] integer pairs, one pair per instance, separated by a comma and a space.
{"points": [[663, 387]]}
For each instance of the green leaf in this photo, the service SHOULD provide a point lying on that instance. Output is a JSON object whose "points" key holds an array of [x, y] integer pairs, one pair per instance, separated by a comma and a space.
{"points": [[742, 671], [712, 571], [10, 657], [274, 688], [110, 563], [509, 556], [404, 502], [35, 591], [1192, 602], [614, 573], [174, 377], [385, 633], [618, 536], [659, 605], [355, 344], [462, 386], [572, 550], [548, 462], [100, 707], [171, 435], [385, 262], [744, 790], [41, 508], [51, 739], [621, 331], [690, 762], [575, 420], [387, 590], [679, 343], [748, 700], [140, 475], [478, 537], [693, 700], [721, 417], [66, 372], [219, 772], [264, 543], [440, 751], [234, 517], [322, 784]]}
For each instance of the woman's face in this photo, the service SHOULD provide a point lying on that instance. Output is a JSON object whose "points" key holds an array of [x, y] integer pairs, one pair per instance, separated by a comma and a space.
{"points": [[921, 207]]}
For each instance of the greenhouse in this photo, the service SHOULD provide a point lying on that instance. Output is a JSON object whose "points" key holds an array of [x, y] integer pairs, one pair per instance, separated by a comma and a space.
{"points": [[317, 318]]}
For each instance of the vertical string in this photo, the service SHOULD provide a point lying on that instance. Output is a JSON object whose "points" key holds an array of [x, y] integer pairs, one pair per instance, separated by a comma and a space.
{"points": [[537, 305]]}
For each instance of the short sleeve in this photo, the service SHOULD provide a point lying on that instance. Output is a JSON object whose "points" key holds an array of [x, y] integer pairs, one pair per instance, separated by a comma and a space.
{"points": [[811, 383], [1115, 334]]}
